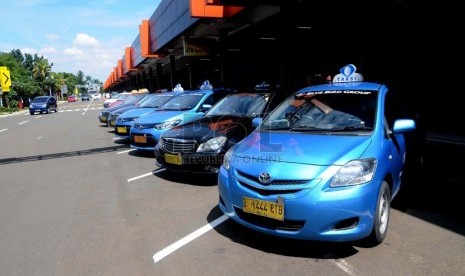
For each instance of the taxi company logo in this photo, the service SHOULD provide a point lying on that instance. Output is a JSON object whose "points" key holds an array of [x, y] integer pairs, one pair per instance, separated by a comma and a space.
{"points": [[348, 74], [348, 70], [265, 178]]}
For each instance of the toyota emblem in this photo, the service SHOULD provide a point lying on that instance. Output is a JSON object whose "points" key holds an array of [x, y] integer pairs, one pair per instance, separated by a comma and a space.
{"points": [[265, 178]]}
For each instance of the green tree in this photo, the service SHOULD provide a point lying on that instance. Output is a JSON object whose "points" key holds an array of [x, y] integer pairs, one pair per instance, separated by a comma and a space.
{"points": [[22, 85], [80, 78], [28, 63], [18, 55], [42, 72]]}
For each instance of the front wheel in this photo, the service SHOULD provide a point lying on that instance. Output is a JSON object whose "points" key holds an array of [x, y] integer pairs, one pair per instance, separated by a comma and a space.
{"points": [[47, 110], [380, 225]]}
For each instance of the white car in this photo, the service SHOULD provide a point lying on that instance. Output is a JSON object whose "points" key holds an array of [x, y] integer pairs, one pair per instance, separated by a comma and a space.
{"points": [[95, 96], [114, 98]]}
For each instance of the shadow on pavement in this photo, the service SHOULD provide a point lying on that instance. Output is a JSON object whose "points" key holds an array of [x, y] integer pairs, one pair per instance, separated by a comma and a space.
{"points": [[431, 189]]}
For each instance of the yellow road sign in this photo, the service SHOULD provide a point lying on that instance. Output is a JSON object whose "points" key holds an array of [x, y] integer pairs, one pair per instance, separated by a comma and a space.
{"points": [[5, 79]]}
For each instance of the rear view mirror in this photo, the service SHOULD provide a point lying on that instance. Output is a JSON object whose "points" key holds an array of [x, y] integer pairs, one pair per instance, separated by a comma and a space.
{"points": [[205, 107], [256, 122]]}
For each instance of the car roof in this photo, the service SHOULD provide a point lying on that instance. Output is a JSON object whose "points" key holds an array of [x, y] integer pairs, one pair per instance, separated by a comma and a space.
{"points": [[342, 86]]}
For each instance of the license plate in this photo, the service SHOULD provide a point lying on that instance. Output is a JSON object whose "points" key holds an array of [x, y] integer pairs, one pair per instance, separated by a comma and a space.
{"points": [[263, 208], [173, 159], [112, 123], [122, 130], [104, 119], [140, 139]]}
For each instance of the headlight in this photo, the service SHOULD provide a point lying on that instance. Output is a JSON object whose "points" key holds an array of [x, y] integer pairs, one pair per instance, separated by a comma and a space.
{"points": [[354, 173], [227, 160], [212, 144], [168, 124]]}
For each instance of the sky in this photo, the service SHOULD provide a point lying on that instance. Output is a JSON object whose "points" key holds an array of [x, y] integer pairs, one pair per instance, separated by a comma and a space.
{"points": [[85, 35]]}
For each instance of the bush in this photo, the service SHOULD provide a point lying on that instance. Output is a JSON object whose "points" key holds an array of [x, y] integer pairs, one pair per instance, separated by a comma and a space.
{"points": [[7, 110]]}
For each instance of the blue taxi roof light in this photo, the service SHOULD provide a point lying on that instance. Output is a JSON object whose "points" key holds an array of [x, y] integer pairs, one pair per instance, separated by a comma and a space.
{"points": [[348, 73]]}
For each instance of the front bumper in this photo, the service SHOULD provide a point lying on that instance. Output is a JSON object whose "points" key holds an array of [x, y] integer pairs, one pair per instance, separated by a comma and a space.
{"points": [[189, 162], [314, 212], [37, 109], [122, 130]]}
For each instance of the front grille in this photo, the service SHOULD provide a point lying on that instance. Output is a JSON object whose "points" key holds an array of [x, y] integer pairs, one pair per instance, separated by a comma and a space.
{"points": [[178, 145], [275, 187], [274, 181], [144, 126]]}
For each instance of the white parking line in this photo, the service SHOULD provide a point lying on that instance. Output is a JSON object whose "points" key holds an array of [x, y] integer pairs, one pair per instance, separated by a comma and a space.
{"points": [[199, 232], [147, 174], [3, 129], [344, 266], [23, 122], [124, 151], [140, 176]]}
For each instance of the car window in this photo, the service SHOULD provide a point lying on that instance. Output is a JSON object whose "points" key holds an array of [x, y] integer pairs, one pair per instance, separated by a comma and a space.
{"points": [[40, 100], [245, 104], [325, 110], [183, 102]]}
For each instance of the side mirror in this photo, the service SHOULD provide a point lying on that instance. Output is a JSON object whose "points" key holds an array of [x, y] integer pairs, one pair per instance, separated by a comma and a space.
{"points": [[403, 125], [205, 107], [256, 121]]}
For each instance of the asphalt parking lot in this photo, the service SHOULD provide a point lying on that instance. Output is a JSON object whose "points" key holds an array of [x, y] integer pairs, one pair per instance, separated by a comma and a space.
{"points": [[75, 201]]}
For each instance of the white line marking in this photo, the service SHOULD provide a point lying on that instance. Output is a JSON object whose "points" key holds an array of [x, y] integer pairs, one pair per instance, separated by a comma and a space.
{"points": [[3, 129], [199, 232], [140, 176], [38, 116], [124, 151], [147, 174], [23, 122], [341, 264], [344, 266]]}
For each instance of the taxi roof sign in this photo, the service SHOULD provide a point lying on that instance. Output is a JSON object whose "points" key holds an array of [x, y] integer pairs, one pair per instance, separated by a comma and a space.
{"points": [[348, 73]]}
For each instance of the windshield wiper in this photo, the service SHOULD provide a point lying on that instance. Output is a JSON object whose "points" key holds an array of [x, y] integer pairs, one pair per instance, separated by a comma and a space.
{"points": [[307, 128], [352, 128]]}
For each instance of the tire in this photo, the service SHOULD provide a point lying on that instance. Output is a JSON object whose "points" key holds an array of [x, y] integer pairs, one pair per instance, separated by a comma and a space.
{"points": [[31, 112], [381, 219], [56, 109], [47, 110]]}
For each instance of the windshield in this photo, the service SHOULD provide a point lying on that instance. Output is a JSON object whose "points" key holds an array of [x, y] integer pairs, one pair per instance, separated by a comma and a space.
{"points": [[325, 111], [183, 102], [40, 100], [242, 104], [156, 100], [133, 99]]}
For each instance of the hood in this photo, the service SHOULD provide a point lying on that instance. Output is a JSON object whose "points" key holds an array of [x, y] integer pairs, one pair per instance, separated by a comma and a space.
{"points": [[137, 112], [159, 116], [208, 127], [114, 108], [125, 109], [303, 148]]}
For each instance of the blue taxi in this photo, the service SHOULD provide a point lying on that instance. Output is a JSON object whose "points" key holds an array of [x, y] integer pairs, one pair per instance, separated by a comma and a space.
{"points": [[145, 133], [324, 165], [125, 120]]}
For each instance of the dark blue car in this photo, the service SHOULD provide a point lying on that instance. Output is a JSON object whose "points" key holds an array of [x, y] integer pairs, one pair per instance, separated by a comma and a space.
{"points": [[43, 104]]}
